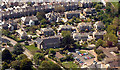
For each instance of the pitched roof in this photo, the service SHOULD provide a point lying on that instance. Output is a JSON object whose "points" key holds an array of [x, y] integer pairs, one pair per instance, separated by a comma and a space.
{"points": [[58, 55]]}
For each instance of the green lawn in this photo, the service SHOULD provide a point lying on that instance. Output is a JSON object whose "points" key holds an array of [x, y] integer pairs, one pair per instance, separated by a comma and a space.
{"points": [[70, 65], [82, 51], [32, 48], [115, 4]]}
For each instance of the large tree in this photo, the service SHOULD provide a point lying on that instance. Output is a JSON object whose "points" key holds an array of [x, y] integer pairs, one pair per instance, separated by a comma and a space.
{"points": [[15, 64], [6, 55], [37, 57], [26, 64], [47, 65], [18, 49]]}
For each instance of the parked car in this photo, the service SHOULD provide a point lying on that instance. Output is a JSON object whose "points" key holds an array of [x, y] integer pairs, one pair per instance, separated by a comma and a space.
{"points": [[85, 58]]}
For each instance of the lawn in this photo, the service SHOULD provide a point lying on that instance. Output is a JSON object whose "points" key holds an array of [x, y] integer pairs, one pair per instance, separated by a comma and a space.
{"points": [[70, 64], [115, 4], [82, 52], [32, 48]]}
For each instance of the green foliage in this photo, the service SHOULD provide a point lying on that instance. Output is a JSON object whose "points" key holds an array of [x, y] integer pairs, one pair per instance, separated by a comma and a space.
{"points": [[99, 43], [18, 49], [52, 51], [26, 64], [48, 65], [40, 15], [6, 55], [5, 66], [15, 64], [21, 57], [37, 57], [65, 33], [43, 21]]}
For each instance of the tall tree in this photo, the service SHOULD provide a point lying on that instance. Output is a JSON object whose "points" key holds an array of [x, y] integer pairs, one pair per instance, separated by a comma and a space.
{"points": [[18, 49], [6, 55], [26, 64]]}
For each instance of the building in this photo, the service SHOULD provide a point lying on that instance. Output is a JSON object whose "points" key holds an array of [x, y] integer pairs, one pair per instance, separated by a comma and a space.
{"points": [[89, 12], [47, 32], [98, 35], [53, 16], [30, 20], [71, 14], [98, 25], [84, 26], [21, 33], [66, 28], [48, 42], [81, 36]]}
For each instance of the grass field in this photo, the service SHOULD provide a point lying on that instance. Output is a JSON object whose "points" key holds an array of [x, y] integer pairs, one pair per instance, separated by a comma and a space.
{"points": [[70, 64], [32, 48], [115, 4]]}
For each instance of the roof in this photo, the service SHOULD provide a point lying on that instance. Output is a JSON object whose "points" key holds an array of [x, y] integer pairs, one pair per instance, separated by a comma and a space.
{"points": [[27, 19], [85, 24], [48, 40], [46, 29], [99, 23], [58, 55]]}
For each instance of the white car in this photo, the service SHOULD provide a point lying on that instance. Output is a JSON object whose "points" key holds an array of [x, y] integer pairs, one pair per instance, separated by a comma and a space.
{"points": [[80, 55]]}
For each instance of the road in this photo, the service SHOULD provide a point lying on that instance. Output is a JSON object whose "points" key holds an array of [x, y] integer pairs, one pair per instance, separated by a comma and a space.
{"points": [[11, 40]]}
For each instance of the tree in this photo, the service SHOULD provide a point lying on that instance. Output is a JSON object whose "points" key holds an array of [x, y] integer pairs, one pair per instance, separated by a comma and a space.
{"points": [[37, 57], [111, 38], [99, 43], [52, 51], [21, 57], [67, 41], [116, 21], [48, 65], [40, 15], [43, 21], [18, 49], [5, 66], [6, 55], [26, 64], [65, 33], [15, 64]]}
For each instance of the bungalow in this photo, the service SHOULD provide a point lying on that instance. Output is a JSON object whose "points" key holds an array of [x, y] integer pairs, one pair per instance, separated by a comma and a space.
{"points": [[71, 14], [10, 24], [21, 33], [47, 31], [98, 35], [89, 11], [66, 28], [81, 36], [58, 55], [84, 26], [98, 25], [30, 20], [48, 42], [52, 16]]}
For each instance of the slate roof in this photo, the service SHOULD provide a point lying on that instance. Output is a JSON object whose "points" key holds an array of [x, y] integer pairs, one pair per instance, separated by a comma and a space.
{"points": [[48, 40]]}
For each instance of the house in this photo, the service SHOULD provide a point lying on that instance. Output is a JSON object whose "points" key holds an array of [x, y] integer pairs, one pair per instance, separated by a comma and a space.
{"points": [[118, 34], [71, 14], [66, 28], [98, 25], [47, 32], [89, 12], [21, 33], [81, 36], [9, 24], [53, 16], [48, 42], [98, 35], [58, 55], [84, 26], [30, 20]]}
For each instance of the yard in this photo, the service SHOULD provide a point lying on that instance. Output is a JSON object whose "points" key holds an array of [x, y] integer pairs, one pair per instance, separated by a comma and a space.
{"points": [[32, 48], [70, 64], [115, 4]]}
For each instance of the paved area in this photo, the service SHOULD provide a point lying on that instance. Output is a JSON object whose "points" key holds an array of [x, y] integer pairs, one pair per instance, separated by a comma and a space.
{"points": [[11, 40], [88, 61]]}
